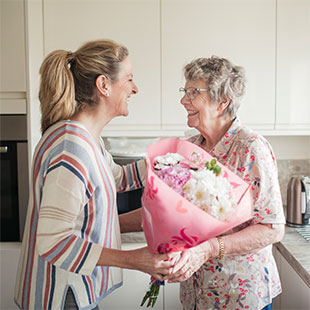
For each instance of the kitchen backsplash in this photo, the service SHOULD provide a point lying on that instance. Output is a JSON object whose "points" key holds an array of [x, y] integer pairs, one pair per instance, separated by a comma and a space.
{"points": [[291, 168]]}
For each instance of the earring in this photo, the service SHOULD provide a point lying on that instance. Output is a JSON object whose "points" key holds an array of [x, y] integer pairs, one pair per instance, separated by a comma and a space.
{"points": [[107, 93]]}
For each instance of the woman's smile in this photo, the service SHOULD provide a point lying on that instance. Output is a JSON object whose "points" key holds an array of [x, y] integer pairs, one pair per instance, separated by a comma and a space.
{"points": [[191, 113]]}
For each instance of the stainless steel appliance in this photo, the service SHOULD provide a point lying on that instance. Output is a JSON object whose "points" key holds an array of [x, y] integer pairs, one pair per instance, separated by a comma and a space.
{"points": [[298, 201], [14, 176]]}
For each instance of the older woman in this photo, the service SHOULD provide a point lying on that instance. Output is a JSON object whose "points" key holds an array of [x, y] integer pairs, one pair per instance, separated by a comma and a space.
{"points": [[71, 242], [236, 270]]}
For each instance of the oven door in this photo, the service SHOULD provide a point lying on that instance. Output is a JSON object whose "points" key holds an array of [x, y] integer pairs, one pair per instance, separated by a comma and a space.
{"points": [[14, 176], [9, 214]]}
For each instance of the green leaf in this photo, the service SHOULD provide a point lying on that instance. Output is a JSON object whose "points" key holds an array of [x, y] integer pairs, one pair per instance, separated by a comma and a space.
{"points": [[146, 296], [154, 301], [149, 302], [151, 295]]}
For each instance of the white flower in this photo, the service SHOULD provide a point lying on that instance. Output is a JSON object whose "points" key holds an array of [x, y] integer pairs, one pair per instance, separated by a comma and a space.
{"points": [[204, 187], [168, 159], [211, 193]]}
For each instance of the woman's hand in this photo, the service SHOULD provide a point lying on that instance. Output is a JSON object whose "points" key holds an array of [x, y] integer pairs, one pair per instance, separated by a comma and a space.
{"points": [[246, 241], [191, 260], [160, 266]]}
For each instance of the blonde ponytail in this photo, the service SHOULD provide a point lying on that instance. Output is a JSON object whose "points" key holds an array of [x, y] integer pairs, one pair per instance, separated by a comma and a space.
{"points": [[57, 95], [68, 79]]}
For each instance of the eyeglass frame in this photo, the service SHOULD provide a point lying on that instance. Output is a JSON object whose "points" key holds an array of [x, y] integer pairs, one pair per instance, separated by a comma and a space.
{"points": [[197, 90]]}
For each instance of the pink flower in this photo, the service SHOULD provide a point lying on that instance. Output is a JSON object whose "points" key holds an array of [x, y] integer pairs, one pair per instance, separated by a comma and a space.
{"points": [[194, 162], [175, 177]]}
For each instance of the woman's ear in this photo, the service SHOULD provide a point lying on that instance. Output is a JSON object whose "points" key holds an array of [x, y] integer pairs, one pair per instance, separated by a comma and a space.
{"points": [[224, 104], [102, 84]]}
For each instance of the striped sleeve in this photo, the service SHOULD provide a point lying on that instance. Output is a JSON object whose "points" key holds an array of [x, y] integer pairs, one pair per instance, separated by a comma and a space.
{"points": [[128, 177], [66, 195]]}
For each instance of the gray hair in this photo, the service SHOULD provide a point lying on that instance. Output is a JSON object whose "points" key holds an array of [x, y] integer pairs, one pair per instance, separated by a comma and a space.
{"points": [[223, 79]]}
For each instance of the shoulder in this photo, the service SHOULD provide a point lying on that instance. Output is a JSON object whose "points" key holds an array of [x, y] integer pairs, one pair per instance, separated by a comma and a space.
{"points": [[254, 143], [66, 139], [68, 133], [255, 154], [196, 139]]}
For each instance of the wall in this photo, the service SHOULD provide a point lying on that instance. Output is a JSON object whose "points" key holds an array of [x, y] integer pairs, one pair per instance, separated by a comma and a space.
{"points": [[290, 147], [293, 158]]}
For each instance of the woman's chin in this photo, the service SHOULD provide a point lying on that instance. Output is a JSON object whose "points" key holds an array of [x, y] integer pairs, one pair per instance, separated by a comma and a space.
{"points": [[190, 123], [125, 113]]}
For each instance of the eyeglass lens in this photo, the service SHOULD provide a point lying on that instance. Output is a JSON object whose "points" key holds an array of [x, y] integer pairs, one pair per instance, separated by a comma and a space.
{"points": [[190, 92]]}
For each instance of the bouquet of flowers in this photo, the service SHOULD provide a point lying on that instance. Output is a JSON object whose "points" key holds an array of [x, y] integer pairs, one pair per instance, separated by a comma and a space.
{"points": [[188, 198]]}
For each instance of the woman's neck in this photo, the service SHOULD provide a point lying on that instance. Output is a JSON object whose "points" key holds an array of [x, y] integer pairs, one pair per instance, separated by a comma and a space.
{"points": [[93, 121], [213, 134]]}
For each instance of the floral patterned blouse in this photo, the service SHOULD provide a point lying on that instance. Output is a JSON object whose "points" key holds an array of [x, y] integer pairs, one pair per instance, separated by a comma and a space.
{"points": [[246, 281]]}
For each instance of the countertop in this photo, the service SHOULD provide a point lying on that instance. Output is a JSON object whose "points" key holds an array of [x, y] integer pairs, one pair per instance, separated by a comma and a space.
{"points": [[133, 237], [293, 247], [296, 250]]}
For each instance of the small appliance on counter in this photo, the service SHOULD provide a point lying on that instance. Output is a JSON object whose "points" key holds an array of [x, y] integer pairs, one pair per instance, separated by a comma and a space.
{"points": [[298, 202]]}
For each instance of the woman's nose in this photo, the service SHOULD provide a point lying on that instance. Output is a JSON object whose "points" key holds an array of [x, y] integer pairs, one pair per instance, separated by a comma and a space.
{"points": [[135, 89], [183, 99]]}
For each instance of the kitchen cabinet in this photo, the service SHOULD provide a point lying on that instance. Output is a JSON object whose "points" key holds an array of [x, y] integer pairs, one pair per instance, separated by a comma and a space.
{"points": [[13, 67], [163, 36], [293, 65], [130, 294], [295, 292], [9, 257], [135, 24], [12, 58], [172, 297], [135, 285], [165, 42], [242, 31]]}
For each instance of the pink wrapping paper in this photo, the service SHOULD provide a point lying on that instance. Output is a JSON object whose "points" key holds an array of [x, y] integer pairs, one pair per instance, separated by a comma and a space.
{"points": [[172, 223]]}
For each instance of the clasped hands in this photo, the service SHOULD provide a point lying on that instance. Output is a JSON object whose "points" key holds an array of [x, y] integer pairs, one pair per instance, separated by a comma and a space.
{"points": [[185, 263]]}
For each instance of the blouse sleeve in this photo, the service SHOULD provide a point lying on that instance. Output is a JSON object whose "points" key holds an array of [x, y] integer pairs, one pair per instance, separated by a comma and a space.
{"points": [[259, 168], [127, 177]]}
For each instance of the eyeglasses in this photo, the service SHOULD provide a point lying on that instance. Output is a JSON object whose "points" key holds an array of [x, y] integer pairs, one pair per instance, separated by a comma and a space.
{"points": [[191, 92]]}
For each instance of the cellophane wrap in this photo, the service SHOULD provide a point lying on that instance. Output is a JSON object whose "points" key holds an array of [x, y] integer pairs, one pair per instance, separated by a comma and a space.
{"points": [[172, 223]]}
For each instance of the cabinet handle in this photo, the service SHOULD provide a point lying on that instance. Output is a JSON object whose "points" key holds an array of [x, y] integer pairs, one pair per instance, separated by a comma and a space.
{"points": [[3, 149]]}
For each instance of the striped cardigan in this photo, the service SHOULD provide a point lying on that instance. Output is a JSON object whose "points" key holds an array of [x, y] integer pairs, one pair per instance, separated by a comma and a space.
{"points": [[71, 215]]}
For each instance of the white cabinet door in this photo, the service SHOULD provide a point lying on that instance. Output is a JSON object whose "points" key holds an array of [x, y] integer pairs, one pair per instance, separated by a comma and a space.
{"points": [[12, 54], [12, 57], [293, 64], [295, 292], [172, 296], [130, 294], [136, 24], [9, 257], [242, 31]]}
